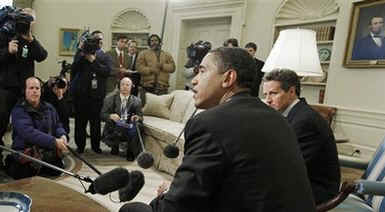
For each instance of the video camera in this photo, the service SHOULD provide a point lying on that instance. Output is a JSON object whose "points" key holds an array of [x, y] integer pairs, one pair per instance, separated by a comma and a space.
{"points": [[195, 53], [14, 22]]}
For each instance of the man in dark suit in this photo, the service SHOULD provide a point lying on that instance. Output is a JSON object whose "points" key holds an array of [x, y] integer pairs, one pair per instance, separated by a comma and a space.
{"points": [[239, 154], [372, 46], [132, 73], [252, 49], [315, 138], [120, 62]]}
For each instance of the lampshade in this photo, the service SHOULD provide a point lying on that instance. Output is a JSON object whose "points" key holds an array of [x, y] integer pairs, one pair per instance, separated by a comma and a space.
{"points": [[295, 49]]}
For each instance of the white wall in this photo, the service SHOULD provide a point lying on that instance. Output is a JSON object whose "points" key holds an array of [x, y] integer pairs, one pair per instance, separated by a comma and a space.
{"points": [[96, 14]]}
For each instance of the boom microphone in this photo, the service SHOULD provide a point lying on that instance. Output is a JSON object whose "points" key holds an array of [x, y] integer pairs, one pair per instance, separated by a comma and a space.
{"points": [[133, 187], [171, 150], [110, 181], [145, 159]]}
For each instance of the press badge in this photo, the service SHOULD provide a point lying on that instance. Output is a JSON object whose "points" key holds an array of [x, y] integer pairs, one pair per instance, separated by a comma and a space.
{"points": [[94, 82]]}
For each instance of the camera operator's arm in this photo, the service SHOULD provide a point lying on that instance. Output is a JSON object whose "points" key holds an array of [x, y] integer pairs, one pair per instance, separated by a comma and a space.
{"points": [[7, 47], [107, 111], [38, 52], [102, 63], [142, 66], [169, 64]]}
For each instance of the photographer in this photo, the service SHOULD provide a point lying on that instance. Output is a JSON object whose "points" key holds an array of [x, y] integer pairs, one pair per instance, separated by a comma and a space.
{"points": [[19, 49], [55, 92], [119, 112], [91, 67], [195, 53]]}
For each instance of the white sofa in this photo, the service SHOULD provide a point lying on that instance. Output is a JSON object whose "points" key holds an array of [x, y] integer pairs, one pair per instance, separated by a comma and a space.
{"points": [[164, 118]]}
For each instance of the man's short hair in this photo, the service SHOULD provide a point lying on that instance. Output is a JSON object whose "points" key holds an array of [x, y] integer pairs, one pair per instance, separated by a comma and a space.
{"points": [[134, 41], [233, 41], [286, 77], [251, 45], [122, 37], [239, 60]]}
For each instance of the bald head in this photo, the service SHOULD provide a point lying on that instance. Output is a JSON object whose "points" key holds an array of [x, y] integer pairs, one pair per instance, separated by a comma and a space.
{"points": [[125, 86]]}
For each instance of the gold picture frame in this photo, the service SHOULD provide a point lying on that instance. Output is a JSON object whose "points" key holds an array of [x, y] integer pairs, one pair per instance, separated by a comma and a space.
{"points": [[363, 50], [68, 38]]}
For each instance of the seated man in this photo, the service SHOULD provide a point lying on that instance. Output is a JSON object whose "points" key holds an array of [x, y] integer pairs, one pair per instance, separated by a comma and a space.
{"points": [[281, 89], [37, 131], [119, 111], [229, 164]]}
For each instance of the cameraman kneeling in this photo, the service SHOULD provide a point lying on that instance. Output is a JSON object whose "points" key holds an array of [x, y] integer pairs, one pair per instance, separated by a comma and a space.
{"points": [[121, 111], [37, 132]]}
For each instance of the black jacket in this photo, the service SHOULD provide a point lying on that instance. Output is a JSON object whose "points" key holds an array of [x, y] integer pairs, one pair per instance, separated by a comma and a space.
{"points": [[14, 69], [318, 146], [84, 72], [239, 156], [259, 77]]}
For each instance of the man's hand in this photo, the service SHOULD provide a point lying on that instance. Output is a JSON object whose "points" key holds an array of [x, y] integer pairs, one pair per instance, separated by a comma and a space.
{"points": [[115, 117], [13, 45], [90, 57], [162, 188], [61, 144], [135, 118]]}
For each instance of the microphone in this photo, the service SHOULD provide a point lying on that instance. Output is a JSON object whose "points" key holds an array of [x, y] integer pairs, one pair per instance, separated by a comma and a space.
{"points": [[133, 187], [171, 150], [110, 181], [145, 159], [79, 177]]}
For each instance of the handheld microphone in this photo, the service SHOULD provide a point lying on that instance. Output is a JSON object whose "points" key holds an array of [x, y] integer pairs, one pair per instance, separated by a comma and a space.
{"points": [[145, 159], [133, 187], [171, 150], [110, 181]]}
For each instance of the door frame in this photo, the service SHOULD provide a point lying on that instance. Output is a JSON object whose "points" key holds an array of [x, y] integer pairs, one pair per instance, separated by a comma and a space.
{"points": [[182, 11]]}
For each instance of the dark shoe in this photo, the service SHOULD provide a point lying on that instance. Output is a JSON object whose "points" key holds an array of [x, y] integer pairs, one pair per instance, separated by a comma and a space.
{"points": [[80, 151], [130, 157], [115, 150], [97, 151]]}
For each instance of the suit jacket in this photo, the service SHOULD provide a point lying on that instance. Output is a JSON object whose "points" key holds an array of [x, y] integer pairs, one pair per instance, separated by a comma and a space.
{"points": [[367, 49], [259, 76], [112, 80], [131, 63], [318, 146], [232, 165]]}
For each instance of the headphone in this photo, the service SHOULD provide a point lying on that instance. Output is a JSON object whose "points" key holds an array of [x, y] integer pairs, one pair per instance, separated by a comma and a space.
{"points": [[25, 85], [153, 35]]}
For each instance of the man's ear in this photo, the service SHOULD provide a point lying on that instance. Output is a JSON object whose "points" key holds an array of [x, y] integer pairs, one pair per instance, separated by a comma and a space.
{"points": [[230, 78]]}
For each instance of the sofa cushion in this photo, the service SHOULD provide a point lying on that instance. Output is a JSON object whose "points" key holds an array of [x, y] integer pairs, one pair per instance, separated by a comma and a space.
{"points": [[181, 101], [158, 106]]}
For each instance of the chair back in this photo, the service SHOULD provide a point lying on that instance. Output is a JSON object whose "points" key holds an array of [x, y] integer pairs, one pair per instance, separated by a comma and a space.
{"points": [[376, 172], [327, 112]]}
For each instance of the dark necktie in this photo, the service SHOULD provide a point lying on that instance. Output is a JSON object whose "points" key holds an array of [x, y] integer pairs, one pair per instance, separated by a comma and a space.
{"points": [[121, 59]]}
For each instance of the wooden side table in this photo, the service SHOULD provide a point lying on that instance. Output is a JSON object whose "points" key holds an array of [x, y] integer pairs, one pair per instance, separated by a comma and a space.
{"points": [[48, 195]]}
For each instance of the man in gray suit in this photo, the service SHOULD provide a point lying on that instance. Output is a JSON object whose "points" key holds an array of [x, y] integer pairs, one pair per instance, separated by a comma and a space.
{"points": [[119, 62]]}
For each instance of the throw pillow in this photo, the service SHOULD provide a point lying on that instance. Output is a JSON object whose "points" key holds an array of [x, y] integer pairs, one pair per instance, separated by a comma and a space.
{"points": [[158, 106]]}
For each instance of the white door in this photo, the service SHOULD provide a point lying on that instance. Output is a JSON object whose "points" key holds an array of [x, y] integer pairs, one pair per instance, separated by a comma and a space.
{"points": [[214, 30]]}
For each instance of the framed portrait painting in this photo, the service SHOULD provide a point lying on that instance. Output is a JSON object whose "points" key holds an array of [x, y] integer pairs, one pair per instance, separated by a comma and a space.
{"points": [[68, 39], [365, 47]]}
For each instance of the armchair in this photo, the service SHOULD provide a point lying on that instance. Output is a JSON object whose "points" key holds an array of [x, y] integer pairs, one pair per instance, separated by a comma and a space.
{"points": [[367, 193]]}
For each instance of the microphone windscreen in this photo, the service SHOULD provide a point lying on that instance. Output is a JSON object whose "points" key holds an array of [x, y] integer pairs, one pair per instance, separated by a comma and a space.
{"points": [[145, 160], [111, 181], [133, 187], [171, 151]]}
